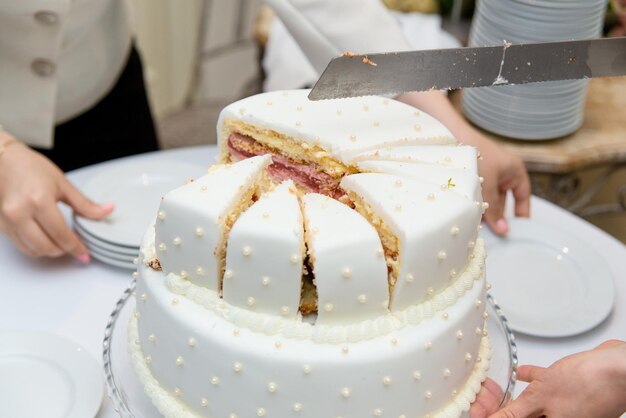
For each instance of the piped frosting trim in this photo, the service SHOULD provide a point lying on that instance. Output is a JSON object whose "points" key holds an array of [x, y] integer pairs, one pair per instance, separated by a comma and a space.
{"points": [[334, 334], [170, 407]]}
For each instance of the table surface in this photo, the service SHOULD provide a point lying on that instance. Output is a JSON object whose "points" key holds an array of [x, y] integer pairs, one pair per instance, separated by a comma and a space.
{"points": [[66, 298]]}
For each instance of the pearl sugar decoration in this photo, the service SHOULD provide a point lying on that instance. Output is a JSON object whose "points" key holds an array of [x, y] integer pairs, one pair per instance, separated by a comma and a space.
{"points": [[345, 392], [246, 250]]}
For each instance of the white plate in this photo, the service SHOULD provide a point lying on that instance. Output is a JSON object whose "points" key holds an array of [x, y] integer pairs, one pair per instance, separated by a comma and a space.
{"points": [[550, 283], [103, 245], [126, 264], [136, 189], [45, 375]]}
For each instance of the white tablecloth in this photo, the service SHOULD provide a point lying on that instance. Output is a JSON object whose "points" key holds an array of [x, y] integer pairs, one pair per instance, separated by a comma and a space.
{"points": [[63, 297]]}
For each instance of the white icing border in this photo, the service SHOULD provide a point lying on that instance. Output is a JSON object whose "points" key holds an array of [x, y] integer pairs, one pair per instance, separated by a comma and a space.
{"points": [[170, 407], [334, 334]]}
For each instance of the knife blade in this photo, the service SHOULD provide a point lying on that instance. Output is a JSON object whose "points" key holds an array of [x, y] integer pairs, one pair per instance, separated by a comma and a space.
{"points": [[352, 75]]}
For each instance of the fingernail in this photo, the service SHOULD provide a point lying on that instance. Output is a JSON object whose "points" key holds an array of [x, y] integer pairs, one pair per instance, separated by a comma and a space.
{"points": [[108, 206], [84, 258], [502, 226]]}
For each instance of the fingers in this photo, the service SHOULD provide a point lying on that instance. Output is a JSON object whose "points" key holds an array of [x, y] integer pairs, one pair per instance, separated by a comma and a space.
{"points": [[488, 398], [609, 344], [493, 388], [494, 216], [477, 410], [526, 406], [521, 192], [36, 242], [81, 204], [51, 220], [530, 373]]}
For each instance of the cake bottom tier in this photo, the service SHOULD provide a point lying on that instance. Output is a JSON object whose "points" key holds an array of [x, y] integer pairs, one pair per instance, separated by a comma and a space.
{"points": [[195, 363]]}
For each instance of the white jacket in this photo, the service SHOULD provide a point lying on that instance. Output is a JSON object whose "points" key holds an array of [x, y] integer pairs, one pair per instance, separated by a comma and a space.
{"points": [[57, 59]]}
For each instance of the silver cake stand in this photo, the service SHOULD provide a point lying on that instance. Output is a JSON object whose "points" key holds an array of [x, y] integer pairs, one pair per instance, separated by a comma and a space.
{"points": [[130, 401]]}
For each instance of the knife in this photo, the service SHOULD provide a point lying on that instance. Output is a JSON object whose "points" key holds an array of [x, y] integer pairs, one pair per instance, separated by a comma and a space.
{"points": [[352, 75]]}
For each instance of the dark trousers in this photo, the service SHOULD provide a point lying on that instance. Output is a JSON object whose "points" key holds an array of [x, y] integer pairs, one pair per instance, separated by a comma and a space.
{"points": [[119, 124]]}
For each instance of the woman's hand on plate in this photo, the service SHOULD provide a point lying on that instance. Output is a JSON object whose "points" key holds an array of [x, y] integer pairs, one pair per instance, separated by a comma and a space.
{"points": [[30, 187]]}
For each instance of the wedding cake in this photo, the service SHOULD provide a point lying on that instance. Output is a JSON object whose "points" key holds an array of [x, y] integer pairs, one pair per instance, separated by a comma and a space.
{"points": [[328, 266]]}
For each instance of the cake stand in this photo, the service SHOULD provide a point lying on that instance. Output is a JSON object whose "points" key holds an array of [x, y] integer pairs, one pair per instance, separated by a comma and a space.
{"points": [[130, 401]]}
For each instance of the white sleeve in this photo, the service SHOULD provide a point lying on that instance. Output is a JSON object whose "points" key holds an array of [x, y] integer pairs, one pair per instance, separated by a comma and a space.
{"points": [[359, 26]]}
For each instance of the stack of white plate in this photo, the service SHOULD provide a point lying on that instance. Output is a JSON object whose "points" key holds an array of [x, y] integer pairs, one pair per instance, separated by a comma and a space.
{"points": [[136, 188], [532, 111]]}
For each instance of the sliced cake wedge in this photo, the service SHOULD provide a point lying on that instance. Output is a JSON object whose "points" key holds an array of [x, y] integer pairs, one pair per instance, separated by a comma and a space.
{"points": [[265, 253], [347, 261], [428, 232], [194, 219], [454, 179]]}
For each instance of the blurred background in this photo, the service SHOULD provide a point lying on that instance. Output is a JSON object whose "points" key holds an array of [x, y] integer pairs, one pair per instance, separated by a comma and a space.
{"points": [[200, 55]]}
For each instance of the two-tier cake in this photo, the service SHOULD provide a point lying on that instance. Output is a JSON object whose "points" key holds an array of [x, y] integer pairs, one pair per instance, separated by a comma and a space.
{"points": [[328, 267]]}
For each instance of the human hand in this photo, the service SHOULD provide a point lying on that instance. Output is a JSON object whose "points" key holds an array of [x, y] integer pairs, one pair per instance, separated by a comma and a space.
{"points": [[30, 187], [487, 400], [587, 384], [502, 171]]}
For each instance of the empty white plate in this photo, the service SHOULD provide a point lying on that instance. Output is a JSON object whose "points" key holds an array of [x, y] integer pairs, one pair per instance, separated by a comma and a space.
{"points": [[45, 375], [549, 283], [136, 188]]}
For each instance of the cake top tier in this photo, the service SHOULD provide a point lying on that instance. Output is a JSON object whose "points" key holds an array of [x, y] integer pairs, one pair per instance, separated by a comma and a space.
{"points": [[342, 126]]}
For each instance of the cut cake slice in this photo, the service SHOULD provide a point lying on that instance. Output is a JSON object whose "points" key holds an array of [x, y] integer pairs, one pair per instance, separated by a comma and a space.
{"points": [[265, 253], [194, 219], [428, 233], [455, 179], [347, 261], [460, 156]]}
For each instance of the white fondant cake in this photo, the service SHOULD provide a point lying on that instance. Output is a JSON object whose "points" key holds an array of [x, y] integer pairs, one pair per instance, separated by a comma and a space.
{"points": [[351, 286], [265, 252]]}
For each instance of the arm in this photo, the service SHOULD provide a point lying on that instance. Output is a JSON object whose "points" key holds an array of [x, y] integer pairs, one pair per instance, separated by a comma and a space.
{"points": [[587, 384], [30, 187], [501, 170]]}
